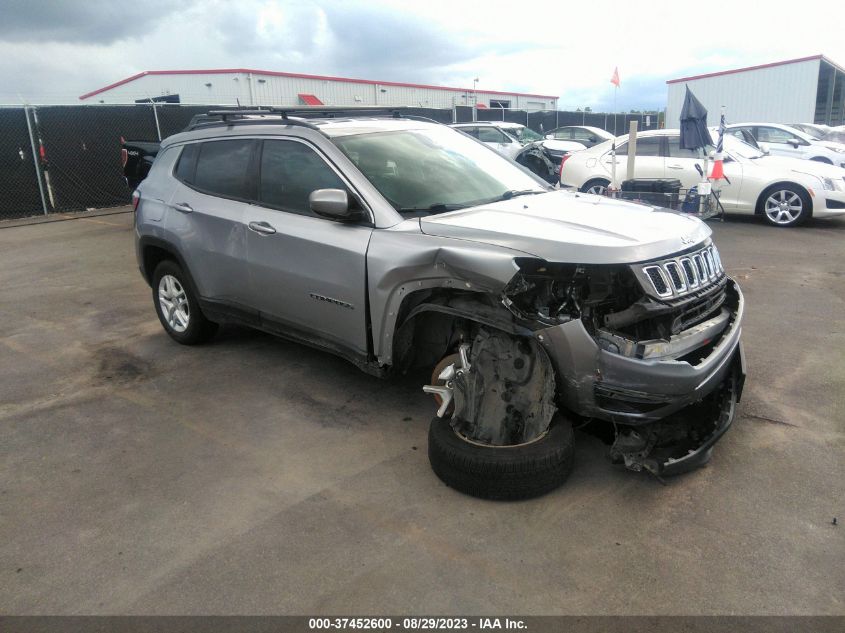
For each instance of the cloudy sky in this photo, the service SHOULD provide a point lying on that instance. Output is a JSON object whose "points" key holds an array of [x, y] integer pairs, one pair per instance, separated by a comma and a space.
{"points": [[52, 51]]}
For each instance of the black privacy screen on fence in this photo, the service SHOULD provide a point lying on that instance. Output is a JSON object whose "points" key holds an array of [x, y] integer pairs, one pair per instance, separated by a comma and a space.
{"points": [[18, 183], [77, 147]]}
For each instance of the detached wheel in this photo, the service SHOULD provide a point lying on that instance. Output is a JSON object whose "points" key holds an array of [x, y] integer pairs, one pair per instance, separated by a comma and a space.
{"points": [[178, 308], [785, 205], [501, 472], [597, 186]]}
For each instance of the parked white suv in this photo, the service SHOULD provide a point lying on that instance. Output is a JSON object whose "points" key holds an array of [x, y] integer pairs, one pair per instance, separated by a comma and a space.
{"points": [[783, 140]]}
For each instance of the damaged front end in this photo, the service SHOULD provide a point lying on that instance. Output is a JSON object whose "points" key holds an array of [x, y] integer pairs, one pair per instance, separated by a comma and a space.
{"points": [[652, 348]]}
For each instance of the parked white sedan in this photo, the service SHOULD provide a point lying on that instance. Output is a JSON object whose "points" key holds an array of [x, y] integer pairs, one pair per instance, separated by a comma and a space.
{"points": [[783, 140], [784, 191], [502, 137]]}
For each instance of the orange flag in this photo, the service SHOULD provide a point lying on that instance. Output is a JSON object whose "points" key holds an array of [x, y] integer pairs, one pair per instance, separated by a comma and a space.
{"points": [[615, 79]]}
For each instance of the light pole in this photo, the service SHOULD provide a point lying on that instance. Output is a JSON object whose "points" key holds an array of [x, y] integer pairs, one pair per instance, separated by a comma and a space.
{"points": [[475, 99]]}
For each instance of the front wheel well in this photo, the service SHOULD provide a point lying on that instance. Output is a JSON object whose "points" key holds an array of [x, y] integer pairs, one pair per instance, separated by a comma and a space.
{"points": [[822, 159], [432, 322], [758, 209]]}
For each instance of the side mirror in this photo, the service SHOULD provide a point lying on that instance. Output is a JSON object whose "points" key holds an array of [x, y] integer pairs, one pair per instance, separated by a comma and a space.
{"points": [[764, 147], [332, 204], [794, 142], [550, 137], [593, 139]]}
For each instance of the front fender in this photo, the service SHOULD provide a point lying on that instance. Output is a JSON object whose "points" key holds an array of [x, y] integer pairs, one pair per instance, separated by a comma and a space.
{"points": [[402, 262]]}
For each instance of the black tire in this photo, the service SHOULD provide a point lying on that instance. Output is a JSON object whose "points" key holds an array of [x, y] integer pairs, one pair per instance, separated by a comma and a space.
{"points": [[595, 182], [506, 472], [788, 190], [199, 329]]}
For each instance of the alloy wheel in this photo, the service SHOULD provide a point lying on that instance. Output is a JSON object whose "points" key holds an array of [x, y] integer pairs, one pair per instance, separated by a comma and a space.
{"points": [[173, 301], [784, 206]]}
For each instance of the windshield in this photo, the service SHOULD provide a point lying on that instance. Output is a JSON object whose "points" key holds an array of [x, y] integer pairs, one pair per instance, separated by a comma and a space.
{"points": [[434, 170], [834, 136], [523, 134], [810, 130], [736, 146]]}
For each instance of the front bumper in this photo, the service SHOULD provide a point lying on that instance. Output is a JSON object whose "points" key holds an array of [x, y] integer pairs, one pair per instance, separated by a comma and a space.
{"points": [[829, 204], [672, 412]]}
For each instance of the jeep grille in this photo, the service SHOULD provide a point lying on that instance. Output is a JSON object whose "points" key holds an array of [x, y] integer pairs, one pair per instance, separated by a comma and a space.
{"points": [[678, 276]]}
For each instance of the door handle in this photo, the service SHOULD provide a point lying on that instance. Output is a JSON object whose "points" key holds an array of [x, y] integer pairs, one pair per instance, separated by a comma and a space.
{"points": [[262, 228], [674, 166], [184, 207]]}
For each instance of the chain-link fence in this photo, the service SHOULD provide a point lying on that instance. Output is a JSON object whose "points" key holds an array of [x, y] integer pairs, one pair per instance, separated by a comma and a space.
{"points": [[66, 158]]}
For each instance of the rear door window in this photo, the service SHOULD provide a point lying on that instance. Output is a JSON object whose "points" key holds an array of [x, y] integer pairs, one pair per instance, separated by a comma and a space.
{"points": [[223, 168], [583, 136], [649, 146], [675, 151], [289, 172], [492, 135]]}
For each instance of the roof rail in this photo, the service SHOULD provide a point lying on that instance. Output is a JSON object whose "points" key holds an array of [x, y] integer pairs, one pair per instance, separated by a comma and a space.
{"points": [[238, 116]]}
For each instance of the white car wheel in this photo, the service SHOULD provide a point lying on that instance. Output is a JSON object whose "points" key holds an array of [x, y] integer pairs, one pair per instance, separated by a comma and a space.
{"points": [[596, 187], [785, 206]]}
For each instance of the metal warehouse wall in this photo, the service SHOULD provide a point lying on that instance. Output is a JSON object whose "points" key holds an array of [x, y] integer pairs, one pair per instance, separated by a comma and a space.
{"points": [[777, 94], [283, 91]]}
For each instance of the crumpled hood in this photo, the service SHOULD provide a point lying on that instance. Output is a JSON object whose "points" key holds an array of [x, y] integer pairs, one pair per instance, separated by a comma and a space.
{"points": [[562, 226]]}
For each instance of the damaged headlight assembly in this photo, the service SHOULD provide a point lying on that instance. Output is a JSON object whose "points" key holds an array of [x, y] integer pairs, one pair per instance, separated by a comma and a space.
{"points": [[616, 310]]}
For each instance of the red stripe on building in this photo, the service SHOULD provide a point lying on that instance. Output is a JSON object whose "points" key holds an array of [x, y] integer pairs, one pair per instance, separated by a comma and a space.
{"points": [[274, 73], [749, 68]]}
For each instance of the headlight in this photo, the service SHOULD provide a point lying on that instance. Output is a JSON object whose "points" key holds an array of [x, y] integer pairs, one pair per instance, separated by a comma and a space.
{"points": [[833, 184], [838, 150]]}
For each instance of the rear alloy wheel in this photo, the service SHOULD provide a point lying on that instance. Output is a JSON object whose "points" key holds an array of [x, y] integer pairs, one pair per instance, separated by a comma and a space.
{"points": [[597, 187], [785, 205], [177, 307], [497, 434]]}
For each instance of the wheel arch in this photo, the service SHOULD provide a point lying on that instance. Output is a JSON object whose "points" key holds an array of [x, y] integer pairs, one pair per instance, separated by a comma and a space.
{"points": [[153, 251], [594, 180], [437, 314]]}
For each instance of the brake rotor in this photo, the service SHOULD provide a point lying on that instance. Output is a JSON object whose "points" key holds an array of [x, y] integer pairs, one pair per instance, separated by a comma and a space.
{"points": [[450, 359]]}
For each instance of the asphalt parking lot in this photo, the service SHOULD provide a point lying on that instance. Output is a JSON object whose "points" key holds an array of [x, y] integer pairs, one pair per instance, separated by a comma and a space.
{"points": [[253, 475]]}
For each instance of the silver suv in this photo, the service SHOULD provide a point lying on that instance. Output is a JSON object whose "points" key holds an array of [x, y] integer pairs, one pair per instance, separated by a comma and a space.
{"points": [[400, 244]]}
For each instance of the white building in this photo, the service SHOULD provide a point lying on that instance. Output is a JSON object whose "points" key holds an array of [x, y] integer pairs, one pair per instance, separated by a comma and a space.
{"points": [[805, 90], [269, 88]]}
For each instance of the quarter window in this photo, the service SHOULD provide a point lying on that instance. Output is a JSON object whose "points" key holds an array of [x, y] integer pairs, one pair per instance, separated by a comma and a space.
{"points": [[290, 171], [187, 163], [223, 168]]}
